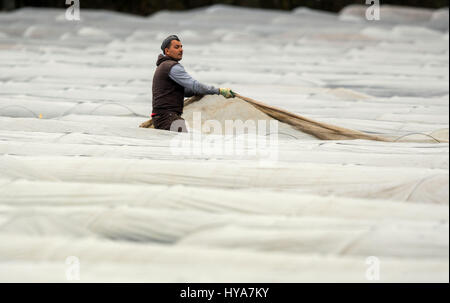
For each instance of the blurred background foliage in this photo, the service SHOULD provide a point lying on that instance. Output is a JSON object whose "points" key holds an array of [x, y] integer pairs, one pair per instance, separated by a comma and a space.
{"points": [[146, 7]]}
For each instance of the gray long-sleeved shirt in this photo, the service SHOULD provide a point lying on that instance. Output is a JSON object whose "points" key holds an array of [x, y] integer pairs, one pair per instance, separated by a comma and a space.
{"points": [[191, 86]]}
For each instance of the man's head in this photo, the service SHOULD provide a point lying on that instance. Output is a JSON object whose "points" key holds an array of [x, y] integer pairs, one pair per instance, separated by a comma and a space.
{"points": [[172, 47]]}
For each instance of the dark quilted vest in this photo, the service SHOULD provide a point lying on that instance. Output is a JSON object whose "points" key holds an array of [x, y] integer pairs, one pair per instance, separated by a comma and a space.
{"points": [[168, 96]]}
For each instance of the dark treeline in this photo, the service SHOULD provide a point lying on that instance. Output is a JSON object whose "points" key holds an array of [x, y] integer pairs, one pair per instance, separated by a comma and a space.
{"points": [[146, 7]]}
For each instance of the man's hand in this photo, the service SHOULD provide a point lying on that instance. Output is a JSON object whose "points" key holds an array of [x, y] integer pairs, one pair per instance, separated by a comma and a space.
{"points": [[226, 92]]}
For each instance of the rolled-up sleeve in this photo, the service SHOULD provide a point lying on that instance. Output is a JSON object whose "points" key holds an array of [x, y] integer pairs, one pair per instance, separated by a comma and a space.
{"points": [[191, 86]]}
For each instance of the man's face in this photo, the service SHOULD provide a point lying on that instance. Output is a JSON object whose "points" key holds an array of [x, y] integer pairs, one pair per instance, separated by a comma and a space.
{"points": [[175, 50]]}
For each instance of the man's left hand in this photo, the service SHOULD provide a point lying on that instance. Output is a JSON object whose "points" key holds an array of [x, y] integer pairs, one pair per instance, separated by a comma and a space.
{"points": [[226, 92]]}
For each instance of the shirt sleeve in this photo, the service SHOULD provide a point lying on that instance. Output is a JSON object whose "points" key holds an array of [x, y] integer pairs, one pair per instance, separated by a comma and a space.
{"points": [[191, 86]]}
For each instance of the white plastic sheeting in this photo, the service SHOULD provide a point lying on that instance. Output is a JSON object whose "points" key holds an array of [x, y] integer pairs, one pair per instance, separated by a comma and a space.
{"points": [[403, 184], [79, 178], [44, 258]]}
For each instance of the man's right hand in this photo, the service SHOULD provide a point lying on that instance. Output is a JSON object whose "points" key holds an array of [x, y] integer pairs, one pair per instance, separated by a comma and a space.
{"points": [[226, 92]]}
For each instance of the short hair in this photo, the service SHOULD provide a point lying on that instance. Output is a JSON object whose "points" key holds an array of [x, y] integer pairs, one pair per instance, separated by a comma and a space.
{"points": [[167, 41]]}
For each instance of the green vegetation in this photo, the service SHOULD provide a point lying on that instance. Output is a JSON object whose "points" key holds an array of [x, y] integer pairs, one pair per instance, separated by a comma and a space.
{"points": [[146, 7]]}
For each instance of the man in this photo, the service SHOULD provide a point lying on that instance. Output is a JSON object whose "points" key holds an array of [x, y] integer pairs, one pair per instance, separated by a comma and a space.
{"points": [[171, 83]]}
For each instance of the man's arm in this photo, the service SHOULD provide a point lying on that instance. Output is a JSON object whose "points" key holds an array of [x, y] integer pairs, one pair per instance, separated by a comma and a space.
{"points": [[191, 86]]}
